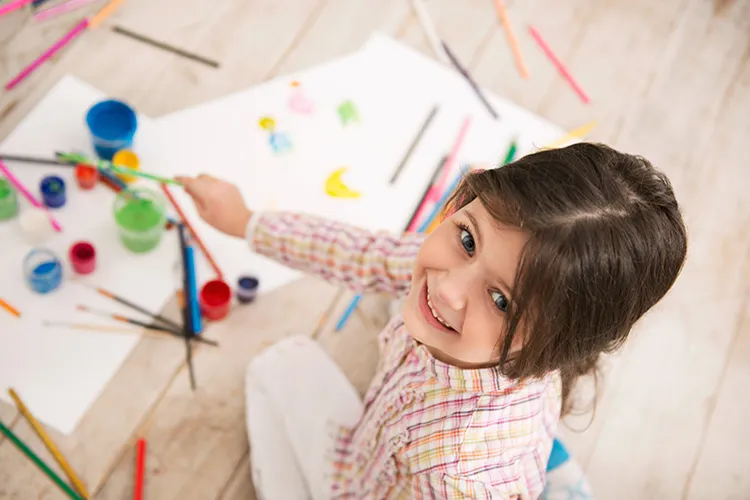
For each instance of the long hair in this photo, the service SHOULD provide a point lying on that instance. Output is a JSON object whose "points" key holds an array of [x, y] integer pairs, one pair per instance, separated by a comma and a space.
{"points": [[606, 242]]}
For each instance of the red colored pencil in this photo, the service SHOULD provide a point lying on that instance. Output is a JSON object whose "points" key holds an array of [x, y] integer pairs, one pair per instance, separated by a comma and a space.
{"points": [[140, 469], [197, 239]]}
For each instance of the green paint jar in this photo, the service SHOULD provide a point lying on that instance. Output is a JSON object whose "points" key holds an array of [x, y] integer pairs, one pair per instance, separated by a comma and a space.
{"points": [[140, 215], [8, 200]]}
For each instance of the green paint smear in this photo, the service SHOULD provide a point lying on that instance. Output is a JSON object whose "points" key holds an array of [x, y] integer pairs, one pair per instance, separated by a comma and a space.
{"points": [[141, 225], [8, 201]]}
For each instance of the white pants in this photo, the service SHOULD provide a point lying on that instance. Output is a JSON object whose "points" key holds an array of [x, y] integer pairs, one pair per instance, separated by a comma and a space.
{"points": [[295, 396]]}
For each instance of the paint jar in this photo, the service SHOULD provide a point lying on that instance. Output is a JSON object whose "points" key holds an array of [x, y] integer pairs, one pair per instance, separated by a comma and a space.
{"points": [[35, 225], [8, 200], [112, 125], [82, 257], [140, 215], [86, 176], [215, 300], [42, 270], [52, 188], [247, 289], [128, 159]]}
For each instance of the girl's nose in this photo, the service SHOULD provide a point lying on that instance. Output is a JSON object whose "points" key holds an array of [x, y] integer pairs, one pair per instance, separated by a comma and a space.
{"points": [[453, 290]]}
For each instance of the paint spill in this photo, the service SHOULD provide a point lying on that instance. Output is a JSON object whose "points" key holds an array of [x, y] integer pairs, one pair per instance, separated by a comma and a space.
{"points": [[348, 113]]}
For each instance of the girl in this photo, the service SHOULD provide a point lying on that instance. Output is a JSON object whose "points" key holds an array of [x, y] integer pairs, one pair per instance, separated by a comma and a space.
{"points": [[540, 267]]}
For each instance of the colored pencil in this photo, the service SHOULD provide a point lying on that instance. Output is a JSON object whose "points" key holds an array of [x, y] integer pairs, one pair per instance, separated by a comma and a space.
{"points": [[438, 207], [47, 440], [438, 187], [91, 22], [140, 469], [27, 194], [187, 317], [47, 54], [558, 64], [511, 154], [348, 312], [15, 312], [414, 142], [576, 133], [13, 5], [429, 30], [62, 8], [194, 234], [39, 462], [161, 45], [465, 73], [97, 19], [502, 15]]}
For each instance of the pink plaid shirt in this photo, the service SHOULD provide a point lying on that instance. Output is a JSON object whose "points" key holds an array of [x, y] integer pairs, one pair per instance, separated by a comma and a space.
{"points": [[429, 429]]}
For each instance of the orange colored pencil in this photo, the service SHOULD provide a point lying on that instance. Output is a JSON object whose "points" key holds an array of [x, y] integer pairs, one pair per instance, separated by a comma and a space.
{"points": [[512, 40], [15, 312]]}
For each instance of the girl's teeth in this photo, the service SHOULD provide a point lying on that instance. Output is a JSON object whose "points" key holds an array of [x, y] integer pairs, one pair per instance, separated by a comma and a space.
{"points": [[434, 313]]}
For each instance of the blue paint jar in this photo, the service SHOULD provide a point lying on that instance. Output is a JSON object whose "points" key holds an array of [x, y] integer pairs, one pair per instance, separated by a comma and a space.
{"points": [[112, 125], [43, 270], [247, 289], [53, 191]]}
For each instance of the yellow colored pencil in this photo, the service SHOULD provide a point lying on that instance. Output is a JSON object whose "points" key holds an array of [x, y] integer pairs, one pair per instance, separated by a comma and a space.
{"points": [[15, 312], [576, 133], [54, 451]]}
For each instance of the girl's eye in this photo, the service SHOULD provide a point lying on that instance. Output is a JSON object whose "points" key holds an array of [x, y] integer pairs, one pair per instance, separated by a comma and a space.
{"points": [[500, 301], [467, 240]]}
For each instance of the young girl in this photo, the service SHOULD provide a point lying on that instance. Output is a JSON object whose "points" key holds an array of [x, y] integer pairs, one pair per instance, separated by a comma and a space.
{"points": [[540, 267]]}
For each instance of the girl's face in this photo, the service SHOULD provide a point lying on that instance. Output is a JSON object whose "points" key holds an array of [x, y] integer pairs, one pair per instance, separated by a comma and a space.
{"points": [[460, 288]]}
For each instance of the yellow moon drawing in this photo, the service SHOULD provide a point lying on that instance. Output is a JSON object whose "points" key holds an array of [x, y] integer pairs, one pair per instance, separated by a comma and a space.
{"points": [[335, 186]]}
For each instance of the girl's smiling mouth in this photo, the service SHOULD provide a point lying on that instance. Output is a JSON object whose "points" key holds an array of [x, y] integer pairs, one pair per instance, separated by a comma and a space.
{"points": [[431, 314]]}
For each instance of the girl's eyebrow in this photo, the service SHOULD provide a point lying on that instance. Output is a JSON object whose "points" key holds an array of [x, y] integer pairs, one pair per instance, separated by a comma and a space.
{"points": [[478, 234]]}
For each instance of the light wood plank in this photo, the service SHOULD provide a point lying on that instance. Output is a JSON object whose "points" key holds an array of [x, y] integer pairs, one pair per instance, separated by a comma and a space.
{"points": [[196, 440]]}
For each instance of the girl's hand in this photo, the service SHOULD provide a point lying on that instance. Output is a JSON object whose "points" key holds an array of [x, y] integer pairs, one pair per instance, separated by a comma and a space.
{"points": [[219, 203]]}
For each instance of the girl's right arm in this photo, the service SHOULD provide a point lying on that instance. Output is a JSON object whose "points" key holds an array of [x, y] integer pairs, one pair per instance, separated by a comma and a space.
{"points": [[339, 253]]}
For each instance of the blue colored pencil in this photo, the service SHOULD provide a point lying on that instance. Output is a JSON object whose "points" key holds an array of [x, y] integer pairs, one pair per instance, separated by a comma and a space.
{"points": [[349, 311], [195, 312]]}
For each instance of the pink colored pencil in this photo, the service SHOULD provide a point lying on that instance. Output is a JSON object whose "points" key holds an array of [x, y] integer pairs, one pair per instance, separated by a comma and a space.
{"points": [[8, 8], [558, 64], [77, 30], [60, 9], [27, 194], [436, 190]]}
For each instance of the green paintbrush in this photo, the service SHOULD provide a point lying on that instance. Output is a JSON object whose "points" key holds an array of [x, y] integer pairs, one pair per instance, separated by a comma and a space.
{"points": [[106, 165]]}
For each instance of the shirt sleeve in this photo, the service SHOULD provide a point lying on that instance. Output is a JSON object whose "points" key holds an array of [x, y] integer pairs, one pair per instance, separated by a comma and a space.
{"points": [[339, 253], [442, 486]]}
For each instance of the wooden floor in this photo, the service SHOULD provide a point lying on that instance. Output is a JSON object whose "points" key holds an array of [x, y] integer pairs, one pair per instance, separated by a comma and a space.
{"points": [[669, 79]]}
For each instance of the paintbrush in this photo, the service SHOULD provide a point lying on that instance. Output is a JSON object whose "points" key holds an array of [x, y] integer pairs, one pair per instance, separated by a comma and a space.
{"points": [[187, 316], [39, 161], [132, 321]]}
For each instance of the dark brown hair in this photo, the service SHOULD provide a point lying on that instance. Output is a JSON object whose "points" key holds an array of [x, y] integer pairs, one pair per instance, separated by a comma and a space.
{"points": [[607, 241]]}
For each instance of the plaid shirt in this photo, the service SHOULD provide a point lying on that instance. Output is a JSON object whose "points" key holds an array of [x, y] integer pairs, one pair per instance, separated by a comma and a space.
{"points": [[429, 429]]}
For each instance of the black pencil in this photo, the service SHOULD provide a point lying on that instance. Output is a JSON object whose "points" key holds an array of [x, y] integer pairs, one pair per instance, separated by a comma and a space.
{"points": [[164, 46], [414, 143], [471, 81]]}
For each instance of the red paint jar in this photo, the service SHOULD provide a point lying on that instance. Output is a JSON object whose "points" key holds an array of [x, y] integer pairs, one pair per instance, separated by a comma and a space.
{"points": [[83, 257], [86, 176], [215, 300]]}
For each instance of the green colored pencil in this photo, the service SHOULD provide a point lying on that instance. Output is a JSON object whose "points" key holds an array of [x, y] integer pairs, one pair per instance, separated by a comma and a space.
{"points": [[106, 165], [511, 154], [38, 462]]}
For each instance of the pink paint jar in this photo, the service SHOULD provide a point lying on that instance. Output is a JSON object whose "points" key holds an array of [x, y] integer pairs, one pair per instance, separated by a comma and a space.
{"points": [[215, 300], [83, 257]]}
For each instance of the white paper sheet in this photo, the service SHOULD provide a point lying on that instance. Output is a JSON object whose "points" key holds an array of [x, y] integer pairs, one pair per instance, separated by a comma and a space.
{"points": [[394, 88], [59, 372]]}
